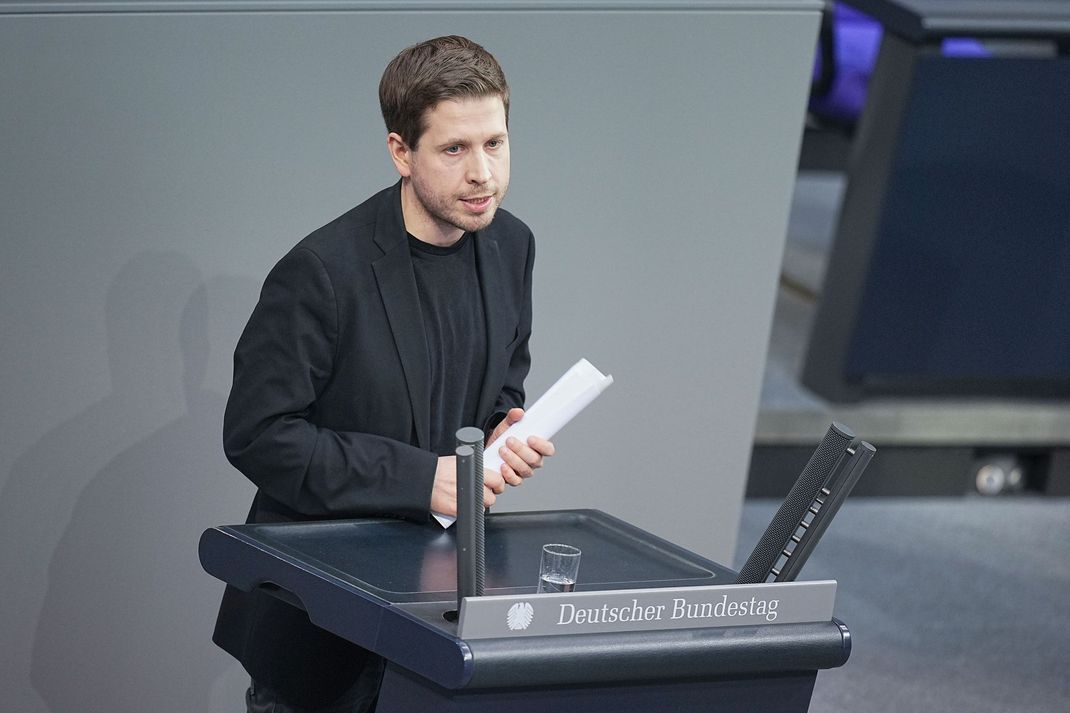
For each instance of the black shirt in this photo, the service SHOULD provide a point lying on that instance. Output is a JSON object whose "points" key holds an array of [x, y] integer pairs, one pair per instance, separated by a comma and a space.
{"points": [[452, 308]]}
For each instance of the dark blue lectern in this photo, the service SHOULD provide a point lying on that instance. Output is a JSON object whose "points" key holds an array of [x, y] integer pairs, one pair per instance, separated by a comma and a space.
{"points": [[386, 585]]}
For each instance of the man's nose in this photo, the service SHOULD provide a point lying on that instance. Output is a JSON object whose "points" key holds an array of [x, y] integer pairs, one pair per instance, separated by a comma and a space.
{"points": [[479, 167]]}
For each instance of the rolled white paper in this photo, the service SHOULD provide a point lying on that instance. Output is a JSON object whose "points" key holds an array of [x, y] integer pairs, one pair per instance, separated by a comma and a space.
{"points": [[569, 395]]}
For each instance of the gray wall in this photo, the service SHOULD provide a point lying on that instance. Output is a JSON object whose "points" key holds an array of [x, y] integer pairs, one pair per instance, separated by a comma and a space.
{"points": [[155, 165]]}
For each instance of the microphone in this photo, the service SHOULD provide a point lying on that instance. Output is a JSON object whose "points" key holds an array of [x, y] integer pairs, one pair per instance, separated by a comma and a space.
{"points": [[809, 507], [471, 555]]}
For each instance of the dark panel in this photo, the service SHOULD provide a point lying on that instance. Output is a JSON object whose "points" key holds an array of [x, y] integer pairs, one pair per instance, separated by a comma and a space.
{"points": [[921, 20], [895, 471], [947, 275], [869, 164], [1057, 476], [967, 287], [404, 692]]}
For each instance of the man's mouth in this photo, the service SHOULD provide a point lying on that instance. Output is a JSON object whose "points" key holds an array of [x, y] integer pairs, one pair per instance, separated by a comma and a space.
{"points": [[478, 202]]}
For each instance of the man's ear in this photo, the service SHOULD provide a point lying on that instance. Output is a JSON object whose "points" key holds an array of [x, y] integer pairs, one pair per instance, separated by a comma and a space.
{"points": [[400, 154]]}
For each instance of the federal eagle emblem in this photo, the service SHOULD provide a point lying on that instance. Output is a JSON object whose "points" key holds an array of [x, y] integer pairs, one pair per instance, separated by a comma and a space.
{"points": [[519, 616]]}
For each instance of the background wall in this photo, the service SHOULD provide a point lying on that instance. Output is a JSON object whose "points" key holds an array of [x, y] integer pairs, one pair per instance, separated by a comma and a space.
{"points": [[158, 160]]}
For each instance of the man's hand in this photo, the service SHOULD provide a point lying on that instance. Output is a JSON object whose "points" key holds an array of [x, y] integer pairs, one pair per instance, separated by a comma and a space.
{"points": [[511, 416], [520, 459], [444, 491]]}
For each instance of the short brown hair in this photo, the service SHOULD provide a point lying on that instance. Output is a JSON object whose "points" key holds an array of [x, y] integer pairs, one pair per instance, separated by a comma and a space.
{"points": [[425, 74]]}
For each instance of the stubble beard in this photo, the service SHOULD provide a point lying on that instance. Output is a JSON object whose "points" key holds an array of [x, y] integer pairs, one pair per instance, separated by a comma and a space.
{"points": [[446, 210]]}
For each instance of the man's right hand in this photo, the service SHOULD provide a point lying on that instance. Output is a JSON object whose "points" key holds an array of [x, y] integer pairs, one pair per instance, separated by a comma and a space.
{"points": [[444, 491]]}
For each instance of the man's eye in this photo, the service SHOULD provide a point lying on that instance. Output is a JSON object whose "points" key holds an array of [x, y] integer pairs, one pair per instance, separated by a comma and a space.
{"points": [[453, 149], [495, 143]]}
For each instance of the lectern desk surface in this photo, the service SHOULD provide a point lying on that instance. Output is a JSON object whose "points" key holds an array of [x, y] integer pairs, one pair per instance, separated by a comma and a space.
{"points": [[399, 561], [385, 585]]}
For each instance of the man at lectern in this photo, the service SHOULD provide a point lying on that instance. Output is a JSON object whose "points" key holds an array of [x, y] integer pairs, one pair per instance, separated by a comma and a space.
{"points": [[374, 340]]}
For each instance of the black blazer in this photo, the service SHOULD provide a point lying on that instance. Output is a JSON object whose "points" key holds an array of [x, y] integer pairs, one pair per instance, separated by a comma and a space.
{"points": [[329, 412]]}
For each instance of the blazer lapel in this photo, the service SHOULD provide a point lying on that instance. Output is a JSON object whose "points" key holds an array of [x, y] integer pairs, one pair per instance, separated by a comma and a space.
{"points": [[491, 276], [397, 287]]}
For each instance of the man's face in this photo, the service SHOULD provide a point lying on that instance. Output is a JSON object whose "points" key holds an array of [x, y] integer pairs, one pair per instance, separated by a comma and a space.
{"points": [[459, 172]]}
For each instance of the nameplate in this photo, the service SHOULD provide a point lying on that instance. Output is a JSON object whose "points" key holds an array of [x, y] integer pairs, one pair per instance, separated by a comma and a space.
{"points": [[499, 617]]}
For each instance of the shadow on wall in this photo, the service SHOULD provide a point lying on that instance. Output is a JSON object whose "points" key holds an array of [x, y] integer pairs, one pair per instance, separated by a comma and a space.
{"points": [[126, 620]]}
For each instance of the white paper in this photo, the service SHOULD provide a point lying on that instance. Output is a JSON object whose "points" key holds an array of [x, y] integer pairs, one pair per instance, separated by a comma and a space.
{"points": [[569, 395]]}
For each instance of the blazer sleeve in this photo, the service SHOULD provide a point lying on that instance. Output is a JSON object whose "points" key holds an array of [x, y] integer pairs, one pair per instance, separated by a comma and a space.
{"points": [[282, 363], [512, 393]]}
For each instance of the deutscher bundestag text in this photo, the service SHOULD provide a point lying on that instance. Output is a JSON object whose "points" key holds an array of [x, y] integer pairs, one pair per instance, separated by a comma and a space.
{"points": [[680, 609]]}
